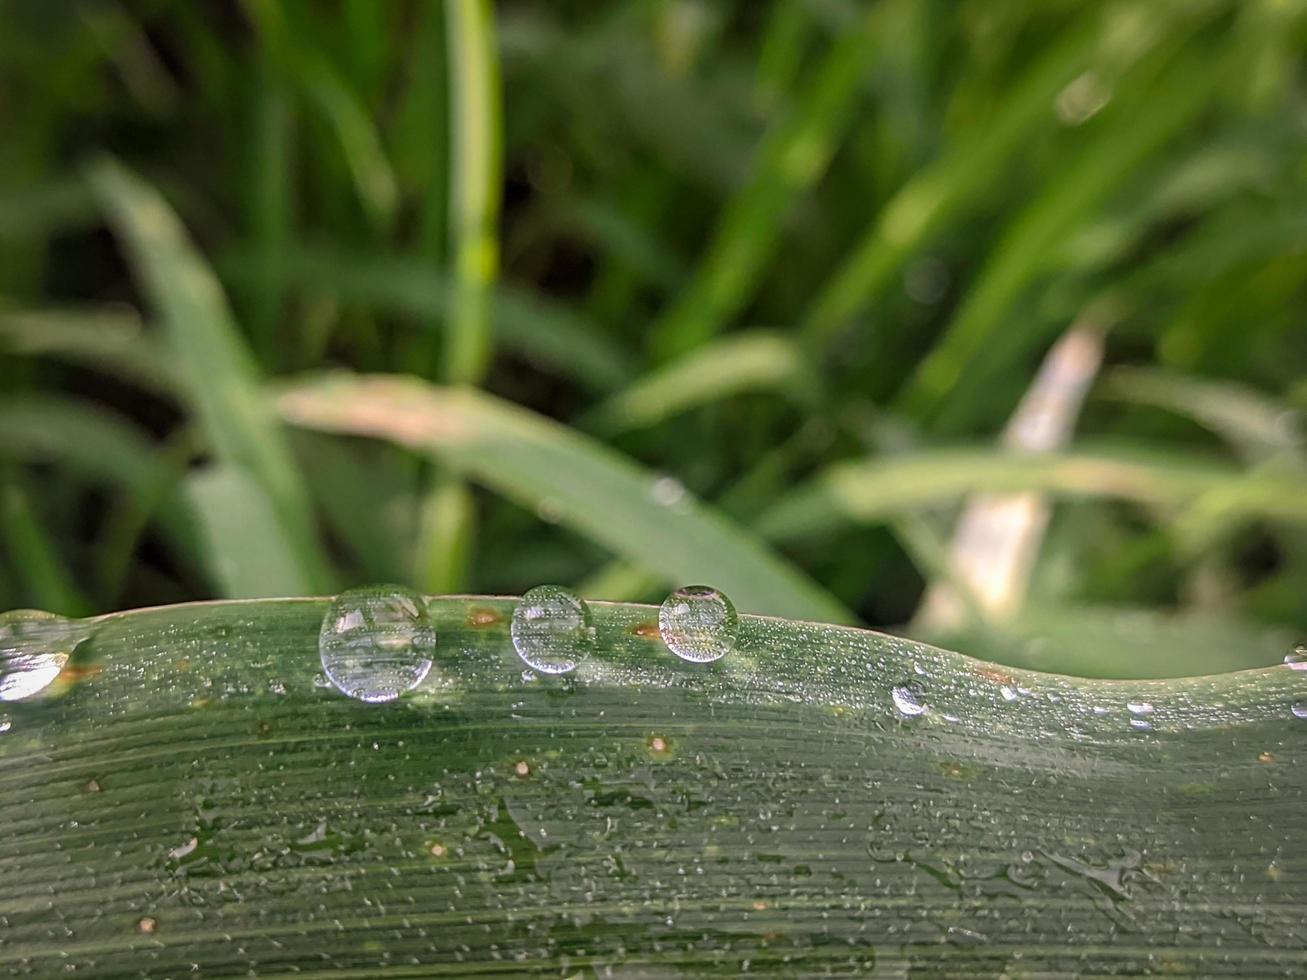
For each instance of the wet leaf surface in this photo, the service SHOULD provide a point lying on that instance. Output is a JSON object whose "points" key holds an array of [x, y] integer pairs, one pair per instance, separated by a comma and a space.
{"points": [[193, 794]]}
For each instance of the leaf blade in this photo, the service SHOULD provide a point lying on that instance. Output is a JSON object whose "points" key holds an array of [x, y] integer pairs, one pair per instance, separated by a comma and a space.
{"points": [[534, 460]]}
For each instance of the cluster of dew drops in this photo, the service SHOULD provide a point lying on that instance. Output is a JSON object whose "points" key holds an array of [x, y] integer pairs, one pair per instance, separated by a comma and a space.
{"points": [[378, 642]]}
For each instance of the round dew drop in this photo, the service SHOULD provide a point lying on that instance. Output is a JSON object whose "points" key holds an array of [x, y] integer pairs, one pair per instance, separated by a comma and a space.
{"points": [[377, 642], [551, 629], [34, 647], [698, 623]]}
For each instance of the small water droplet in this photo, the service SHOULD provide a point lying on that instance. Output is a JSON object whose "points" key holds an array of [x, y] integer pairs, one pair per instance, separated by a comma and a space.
{"points": [[377, 642], [1297, 657], [6, 723], [1141, 725], [1299, 709], [908, 698], [551, 629], [698, 623], [1139, 707], [958, 936], [34, 647], [1009, 694], [667, 491]]}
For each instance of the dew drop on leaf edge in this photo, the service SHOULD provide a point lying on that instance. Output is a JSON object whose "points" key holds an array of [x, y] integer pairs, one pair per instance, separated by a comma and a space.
{"points": [[551, 629], [377, 642], [698, 623], [34, 647]]}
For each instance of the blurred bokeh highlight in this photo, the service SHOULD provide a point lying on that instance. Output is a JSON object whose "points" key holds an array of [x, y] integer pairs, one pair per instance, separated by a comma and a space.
{"points": [[978, 321]]}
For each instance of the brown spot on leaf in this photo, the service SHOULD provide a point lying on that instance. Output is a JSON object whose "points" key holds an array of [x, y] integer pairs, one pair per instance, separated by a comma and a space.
{"points": [[481, 617], [994, 674]]}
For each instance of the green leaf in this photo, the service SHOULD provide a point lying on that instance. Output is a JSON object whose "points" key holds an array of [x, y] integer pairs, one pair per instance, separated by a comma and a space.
{"points": [[216, 365], [34, 556], [793, 156], [476, 179], [867, 491], [189, 799], [98, 445], [747, 361], [238, 535], [979, 339], [1257, 426], [589, 487], [110, 340], [525, 321]]}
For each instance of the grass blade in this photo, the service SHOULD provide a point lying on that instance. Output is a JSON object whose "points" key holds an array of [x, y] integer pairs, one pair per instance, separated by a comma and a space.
{"points": [[866, 491], [755, 360], [476, 185], [236, 524], [231, 407], [596, 491], [98, 445], [108, 340], [952, 371], [528, 323], [1257, 426], [33, 555], [794, 154], [972, 163]]}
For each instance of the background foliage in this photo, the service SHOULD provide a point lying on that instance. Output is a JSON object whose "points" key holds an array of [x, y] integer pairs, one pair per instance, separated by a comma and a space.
{"points": [[777, 272]]}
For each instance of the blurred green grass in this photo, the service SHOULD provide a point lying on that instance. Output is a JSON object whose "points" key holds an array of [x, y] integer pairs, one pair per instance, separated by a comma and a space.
{"points": [[790, 265]]}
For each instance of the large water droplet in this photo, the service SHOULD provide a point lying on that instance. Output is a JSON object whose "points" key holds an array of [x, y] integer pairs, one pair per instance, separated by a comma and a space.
{"points": [[551, 629], [1299, 709], [34, 646], [698, 623], [908, 698], [377, 642]]}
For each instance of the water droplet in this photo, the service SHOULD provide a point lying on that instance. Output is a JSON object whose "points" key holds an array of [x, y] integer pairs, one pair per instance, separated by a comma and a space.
{"points": [[959, 936], [667, 491], [698, 623], [1299, 709], [908, 699], [6, 723], [34, 646], [551, 629], [376, 643], [1297, 657], [1139, 707], [1009, 694]]}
